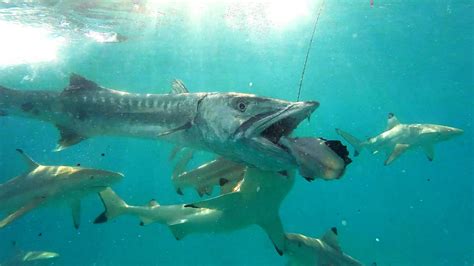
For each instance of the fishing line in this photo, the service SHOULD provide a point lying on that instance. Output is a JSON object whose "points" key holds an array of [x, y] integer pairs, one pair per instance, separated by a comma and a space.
{"points": [[309, 48]]}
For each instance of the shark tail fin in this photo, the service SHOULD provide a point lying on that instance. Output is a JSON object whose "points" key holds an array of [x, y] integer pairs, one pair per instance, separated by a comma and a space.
{"points": [[355, 142], [114, 206]]}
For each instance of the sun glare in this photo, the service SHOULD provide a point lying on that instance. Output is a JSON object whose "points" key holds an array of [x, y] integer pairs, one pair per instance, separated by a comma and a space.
{"points": [[27, 45]]}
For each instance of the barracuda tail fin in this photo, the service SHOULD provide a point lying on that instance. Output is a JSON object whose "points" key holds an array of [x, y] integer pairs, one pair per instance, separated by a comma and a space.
{"points": [[114, 206], [356, 143]]}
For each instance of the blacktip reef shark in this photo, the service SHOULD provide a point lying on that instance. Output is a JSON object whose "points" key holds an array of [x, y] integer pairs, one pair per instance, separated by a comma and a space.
{"points": [[302, 250], [42, 185], [240, 127], [256, 200], [399, 138], [29, 258]]}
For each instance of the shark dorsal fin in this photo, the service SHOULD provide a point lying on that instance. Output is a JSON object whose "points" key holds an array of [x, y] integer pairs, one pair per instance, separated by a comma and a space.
{"points": [[153, 203], [330, 238], [79, 83], [392, 121], [177, 87], [30, 162]]}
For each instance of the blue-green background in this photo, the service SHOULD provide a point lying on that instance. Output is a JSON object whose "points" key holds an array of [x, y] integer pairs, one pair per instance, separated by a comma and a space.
{"points": [[413, 58]]}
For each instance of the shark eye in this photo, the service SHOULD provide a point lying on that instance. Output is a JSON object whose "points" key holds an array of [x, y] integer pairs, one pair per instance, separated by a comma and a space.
{"points": [[242, 106]]}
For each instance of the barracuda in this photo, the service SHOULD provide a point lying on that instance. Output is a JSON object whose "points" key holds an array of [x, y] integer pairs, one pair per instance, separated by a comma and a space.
{"points": [[241, 127]]}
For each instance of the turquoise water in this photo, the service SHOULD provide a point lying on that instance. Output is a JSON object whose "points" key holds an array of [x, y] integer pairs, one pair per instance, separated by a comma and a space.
{"points": [[412, 58]]}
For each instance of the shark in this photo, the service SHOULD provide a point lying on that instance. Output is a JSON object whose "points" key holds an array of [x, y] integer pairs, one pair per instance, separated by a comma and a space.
{"points": [[43, 185], [30, 258], [219, 172], [398, 138], [241, 127], [256, 200], [304, 250]]}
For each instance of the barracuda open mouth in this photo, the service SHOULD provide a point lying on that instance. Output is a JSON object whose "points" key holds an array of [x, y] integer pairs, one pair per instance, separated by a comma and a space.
{"points": [[282, 123]]}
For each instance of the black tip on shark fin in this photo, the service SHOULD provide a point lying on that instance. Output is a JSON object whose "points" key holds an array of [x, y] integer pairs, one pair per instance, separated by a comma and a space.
{"points": [[102, 218], [390, 115], [309, 179], [334, 230], [279, 251], [179, 191], [191, 206]]}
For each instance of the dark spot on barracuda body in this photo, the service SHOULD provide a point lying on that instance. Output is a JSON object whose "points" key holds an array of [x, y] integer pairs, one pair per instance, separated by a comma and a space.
{"points": [[223, 181], [334, 230], [82, 115], [283, 173], [40, 234], [26, 107], [191, 206]]}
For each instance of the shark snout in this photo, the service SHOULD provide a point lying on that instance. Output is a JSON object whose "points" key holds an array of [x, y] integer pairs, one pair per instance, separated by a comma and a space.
{"points": [[101, 177]]}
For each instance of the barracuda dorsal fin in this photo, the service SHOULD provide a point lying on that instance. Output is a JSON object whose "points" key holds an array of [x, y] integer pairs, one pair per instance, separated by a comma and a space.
{"points": [[68, 138], [392, 121], [30, 162], [330, 238], [79, 83], [177, 87]]}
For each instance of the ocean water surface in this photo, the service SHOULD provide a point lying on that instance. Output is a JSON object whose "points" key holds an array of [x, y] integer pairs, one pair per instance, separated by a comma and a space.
{"points": [[367, 59]]}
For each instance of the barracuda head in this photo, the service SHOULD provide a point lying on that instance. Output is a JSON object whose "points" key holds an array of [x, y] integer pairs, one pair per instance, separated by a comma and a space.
{"points": [[248, 128]]}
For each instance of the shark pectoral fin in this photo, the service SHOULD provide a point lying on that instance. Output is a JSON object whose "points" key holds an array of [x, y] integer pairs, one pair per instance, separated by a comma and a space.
{"points": [[179, 228], [21, 211], [275, 232], [429, 151], [330, 238], [30, 162], [221, 202], [174, 130], [68, 138], [76, 213], [177, 87], [397, 151], [180, 166]]}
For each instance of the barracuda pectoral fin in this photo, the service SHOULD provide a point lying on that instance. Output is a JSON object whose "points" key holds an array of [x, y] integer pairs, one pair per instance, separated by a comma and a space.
{"points": [[174, 130], [21, 211], [68, 138], [397, 151]]}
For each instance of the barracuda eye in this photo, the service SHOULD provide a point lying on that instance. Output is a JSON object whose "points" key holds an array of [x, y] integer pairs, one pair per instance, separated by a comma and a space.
{"points": [[242, 106]]}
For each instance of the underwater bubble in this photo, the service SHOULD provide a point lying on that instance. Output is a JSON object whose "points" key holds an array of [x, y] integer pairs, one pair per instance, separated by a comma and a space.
{"points": [[250, 84], [344, 222], [377, 239]]}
